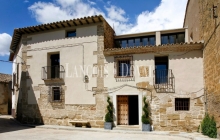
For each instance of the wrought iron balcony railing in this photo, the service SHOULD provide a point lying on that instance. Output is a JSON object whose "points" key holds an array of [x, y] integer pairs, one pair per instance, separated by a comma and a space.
{"points": [[164, 81], [53, 72]]}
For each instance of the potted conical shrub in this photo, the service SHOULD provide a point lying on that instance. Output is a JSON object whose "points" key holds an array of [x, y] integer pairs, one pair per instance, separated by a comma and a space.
{"points": [[145, 117], [109, 115]]}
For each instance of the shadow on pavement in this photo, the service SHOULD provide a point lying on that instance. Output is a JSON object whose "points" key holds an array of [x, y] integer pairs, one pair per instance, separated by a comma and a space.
{"points": [[7, 124]]}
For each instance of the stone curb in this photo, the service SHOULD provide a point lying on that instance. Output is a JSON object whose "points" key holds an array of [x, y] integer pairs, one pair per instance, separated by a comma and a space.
{"points": [[192, 136]]}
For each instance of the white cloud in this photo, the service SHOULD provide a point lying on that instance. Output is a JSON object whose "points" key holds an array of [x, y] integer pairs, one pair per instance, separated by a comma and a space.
{"points": [[116, 13], [26, 1], [91, 2], [169, 14], [5, 41]]}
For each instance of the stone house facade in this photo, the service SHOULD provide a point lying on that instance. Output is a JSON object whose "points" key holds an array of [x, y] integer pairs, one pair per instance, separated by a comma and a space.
{"points": [[5, 94], [65, 71], [202, 19]]}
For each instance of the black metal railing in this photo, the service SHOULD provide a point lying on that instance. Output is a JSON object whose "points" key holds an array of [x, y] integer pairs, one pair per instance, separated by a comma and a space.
{"points": [[164, 80], [53, 72]]}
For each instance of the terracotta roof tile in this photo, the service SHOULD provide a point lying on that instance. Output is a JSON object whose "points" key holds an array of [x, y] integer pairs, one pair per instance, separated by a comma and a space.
{"points": [[5, 77]]}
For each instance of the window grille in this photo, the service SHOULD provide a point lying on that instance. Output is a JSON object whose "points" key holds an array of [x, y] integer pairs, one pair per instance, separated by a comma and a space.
{"points": [[182, 104], [123, 66], [56, 93]]}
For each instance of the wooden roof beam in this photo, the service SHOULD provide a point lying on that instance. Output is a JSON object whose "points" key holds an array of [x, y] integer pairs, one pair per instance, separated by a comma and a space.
{"points": [[63, 25], [41, 29], [26, 31], [80, 22], [68, 24], [93, 20], [99, 19], [51, 27], [87, 21], [74, 23], [46, 28]]}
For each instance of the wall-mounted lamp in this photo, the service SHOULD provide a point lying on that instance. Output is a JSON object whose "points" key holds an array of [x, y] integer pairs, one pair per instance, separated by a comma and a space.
{"points": [[215, 11], [86, 78]]}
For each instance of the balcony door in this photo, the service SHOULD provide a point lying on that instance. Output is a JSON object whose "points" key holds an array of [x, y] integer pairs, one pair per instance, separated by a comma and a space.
{"points": [[55, 65], [161, 70]]}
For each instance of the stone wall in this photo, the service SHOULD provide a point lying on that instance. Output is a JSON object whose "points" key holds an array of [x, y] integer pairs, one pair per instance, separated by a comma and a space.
{"points": [[209, 32], [4, 95], [165, 117], [163, 114], [108, 35]]}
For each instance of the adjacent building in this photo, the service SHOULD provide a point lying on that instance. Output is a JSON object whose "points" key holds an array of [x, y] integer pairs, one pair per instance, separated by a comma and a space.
{"points": [[202, 19], [5, 94], [65, 71]]}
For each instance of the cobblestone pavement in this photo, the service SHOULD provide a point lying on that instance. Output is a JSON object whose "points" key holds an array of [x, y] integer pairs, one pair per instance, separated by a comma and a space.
{"points": [[10, 130]]}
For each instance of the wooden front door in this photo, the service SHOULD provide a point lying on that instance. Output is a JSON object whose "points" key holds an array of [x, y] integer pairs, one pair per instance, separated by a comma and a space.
{"points": [[122, 110]]}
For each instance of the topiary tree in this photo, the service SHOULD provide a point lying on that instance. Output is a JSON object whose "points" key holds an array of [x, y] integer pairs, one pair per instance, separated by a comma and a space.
{"points": [[145, 117], [208, 126], [109, 114]]}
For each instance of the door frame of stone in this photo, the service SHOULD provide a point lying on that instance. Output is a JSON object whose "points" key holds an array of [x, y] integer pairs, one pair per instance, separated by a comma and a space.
{"points": [[140, 104]]}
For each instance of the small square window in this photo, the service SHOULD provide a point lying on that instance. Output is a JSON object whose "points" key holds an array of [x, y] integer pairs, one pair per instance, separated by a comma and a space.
{"points": [[71, 34], [182, 104], [123, 66], [56, 93]]}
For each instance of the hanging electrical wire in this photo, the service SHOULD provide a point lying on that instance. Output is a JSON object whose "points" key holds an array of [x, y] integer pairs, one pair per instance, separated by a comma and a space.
{"points": [[8, 61]]}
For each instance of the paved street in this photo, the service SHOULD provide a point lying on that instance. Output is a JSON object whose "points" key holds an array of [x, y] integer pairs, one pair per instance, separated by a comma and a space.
{"points": [[10, 130]]}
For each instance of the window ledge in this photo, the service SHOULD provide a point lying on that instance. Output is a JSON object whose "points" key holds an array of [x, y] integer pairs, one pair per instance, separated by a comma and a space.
{"points": [[53, 79], [124, 78]]}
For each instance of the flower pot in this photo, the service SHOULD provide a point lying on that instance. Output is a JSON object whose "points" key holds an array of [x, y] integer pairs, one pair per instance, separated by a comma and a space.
{"points": [[108, 125], [146, 127]]}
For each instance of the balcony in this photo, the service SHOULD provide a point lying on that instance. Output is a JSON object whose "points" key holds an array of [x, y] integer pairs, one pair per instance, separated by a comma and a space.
{"points": [[164, 81], [53, 72]]}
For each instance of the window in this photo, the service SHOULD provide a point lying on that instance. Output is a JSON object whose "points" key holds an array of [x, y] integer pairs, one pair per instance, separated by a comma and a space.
{"points": [[123, 66], [56, 93], [55, 65], [151, 41], [181, 104], [173, 38], [137, 42], [131, 42], [161, 70], [124, 43], [71, 34]]}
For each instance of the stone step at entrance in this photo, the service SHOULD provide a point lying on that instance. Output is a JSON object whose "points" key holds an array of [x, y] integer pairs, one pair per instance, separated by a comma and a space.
{"points": [[127, 127]]}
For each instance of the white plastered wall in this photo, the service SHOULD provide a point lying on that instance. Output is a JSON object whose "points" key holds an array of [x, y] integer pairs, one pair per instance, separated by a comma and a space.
{"points": [[187, 68], [79, 51]]}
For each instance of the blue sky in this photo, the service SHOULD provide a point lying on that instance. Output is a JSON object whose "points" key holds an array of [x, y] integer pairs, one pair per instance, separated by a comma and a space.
{"points": [[126, 16]]}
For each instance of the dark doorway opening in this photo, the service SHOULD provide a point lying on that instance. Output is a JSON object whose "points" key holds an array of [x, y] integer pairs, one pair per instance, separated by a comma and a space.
{"points": [[55, 65], [133, 110]]}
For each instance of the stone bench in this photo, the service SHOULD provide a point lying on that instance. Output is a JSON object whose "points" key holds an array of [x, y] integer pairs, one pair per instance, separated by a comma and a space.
{"points": [[84, 123]]}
